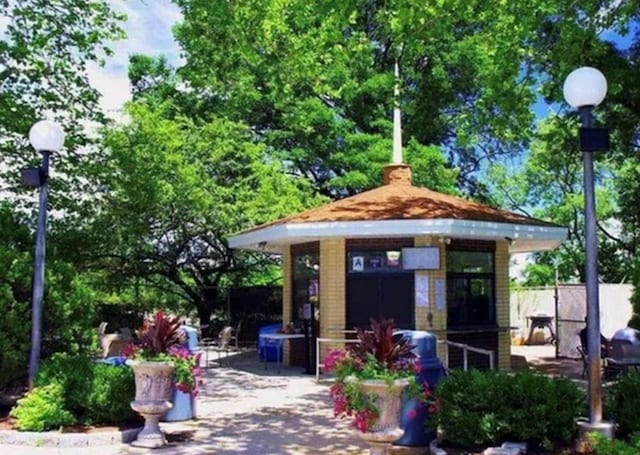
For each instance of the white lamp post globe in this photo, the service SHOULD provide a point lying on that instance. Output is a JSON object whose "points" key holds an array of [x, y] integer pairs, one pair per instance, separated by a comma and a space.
{"points": [[46, 135], [585, 86]]}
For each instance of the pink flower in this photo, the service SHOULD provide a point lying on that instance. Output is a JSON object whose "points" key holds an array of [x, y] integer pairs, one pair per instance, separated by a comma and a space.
{"points": [[333, 359]]}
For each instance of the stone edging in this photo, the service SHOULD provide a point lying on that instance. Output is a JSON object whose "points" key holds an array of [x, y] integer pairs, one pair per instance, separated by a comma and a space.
{"points": [[56, 439], [508, 448]]}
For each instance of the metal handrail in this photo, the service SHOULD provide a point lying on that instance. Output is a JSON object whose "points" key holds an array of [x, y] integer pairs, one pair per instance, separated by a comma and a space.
{"points": [[465, 353], [328, 340]]}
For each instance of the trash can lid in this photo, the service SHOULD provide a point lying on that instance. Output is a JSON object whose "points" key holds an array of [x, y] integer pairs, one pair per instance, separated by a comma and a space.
{"points": [[425, 343]]}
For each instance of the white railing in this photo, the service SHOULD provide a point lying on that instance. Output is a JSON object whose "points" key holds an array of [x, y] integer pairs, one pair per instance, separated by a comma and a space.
{"points": [[329, 341], [465, 351], [465, 354]]}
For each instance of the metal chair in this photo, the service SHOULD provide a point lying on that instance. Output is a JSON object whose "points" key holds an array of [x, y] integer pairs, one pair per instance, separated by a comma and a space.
{"points": [[226, 341], [585, 360]]}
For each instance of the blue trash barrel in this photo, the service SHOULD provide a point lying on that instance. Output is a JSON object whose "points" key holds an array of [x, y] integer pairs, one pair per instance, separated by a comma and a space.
{"points": [[267, 349], [431, 371], [115, 361], [192, 338], [183, 403], [183, 407]]}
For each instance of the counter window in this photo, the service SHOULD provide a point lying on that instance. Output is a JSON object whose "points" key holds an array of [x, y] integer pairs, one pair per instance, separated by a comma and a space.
{"points": [[470, 288]]}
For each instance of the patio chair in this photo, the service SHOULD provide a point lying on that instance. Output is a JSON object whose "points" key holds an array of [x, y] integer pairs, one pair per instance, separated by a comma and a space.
{"points": [[585, 361], [226, 341]]}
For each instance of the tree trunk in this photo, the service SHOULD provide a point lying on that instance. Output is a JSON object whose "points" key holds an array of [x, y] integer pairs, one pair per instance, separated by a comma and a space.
{"points": [[206, 305]]}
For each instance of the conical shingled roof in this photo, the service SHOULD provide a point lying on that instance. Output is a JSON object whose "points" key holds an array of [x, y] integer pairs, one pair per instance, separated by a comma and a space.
{"points": [[399, 200]]}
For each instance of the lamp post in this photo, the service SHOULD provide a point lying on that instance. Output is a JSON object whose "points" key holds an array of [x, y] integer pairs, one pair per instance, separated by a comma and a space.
{"points": [[584, 89], [46, 137]]}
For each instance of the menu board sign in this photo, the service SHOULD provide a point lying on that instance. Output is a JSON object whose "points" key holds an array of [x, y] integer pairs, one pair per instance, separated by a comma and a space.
{"points": [[421, 258]]}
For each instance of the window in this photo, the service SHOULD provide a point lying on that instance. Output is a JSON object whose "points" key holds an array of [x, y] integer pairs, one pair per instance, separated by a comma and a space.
{"points": [[377, 286], [306, 283], [470, 288]]}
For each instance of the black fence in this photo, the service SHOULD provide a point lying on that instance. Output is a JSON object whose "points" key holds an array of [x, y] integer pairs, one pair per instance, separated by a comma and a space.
{"points": [[255, 306]]}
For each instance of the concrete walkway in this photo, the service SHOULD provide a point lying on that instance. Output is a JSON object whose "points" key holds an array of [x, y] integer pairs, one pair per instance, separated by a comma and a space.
{"points": [[245, 409]]}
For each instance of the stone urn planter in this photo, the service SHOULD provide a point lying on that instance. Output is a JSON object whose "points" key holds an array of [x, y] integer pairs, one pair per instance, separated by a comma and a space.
{"points": [[153, 395], [388, 400]]}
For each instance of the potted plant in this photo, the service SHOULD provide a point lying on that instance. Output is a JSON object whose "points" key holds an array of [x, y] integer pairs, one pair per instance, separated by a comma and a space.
{"points": [[371, 378], [159, 361]]}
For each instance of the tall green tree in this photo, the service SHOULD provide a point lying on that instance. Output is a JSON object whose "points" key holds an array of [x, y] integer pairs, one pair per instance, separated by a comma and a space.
{"points": [[175, 189], [315, 80], [604, 35], [549, 185], [44, 52]]}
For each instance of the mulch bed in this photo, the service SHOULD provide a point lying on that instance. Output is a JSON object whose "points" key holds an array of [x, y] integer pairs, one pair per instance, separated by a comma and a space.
{"points": [[9, 423]]}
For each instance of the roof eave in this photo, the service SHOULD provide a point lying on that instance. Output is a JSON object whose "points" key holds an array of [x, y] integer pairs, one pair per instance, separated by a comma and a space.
{"points": [[522, 237]]}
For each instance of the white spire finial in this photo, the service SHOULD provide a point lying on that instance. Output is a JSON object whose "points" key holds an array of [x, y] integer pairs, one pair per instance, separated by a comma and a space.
{"points": [[397, 126]]}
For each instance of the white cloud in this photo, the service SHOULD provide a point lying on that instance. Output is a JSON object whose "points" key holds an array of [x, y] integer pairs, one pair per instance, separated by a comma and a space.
{"points": [[148, 29]]}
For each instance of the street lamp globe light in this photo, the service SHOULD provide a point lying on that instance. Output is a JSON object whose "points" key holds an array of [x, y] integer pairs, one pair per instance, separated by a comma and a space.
{"points": [[584, 89], [585, 86], [46, 137]]}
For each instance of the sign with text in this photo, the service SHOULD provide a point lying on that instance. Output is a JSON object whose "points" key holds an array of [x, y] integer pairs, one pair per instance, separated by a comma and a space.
{"points": [[421, 258]]}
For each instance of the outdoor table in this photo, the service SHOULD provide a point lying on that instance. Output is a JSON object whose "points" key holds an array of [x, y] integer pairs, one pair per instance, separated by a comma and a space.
{"points": [[279, 338]]}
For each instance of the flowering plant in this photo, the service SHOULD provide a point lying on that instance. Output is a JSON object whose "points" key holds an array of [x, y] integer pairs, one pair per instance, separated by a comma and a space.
{"points": [[380, 355], [162, 340]]}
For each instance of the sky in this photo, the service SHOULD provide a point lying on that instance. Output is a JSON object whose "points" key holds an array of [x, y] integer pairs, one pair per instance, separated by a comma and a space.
{"points": [[148, 29]]}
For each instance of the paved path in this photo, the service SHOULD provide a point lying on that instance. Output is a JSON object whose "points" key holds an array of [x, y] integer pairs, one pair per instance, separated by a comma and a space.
{"points": [[244, 409]]}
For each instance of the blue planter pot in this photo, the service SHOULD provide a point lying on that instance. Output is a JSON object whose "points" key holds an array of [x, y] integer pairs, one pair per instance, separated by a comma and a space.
{"points": [[184, 407]]}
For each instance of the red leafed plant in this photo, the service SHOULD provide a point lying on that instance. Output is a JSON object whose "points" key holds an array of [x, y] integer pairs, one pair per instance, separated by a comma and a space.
{"points": [[162, 339], [380, 355], [157, 336], [379, 342]]}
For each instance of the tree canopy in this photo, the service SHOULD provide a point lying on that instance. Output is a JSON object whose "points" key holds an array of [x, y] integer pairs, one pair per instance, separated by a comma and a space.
{"points": [[283, 104], [176, 188]]}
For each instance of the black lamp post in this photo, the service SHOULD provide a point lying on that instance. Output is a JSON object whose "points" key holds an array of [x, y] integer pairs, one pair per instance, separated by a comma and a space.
{"points": [[46, 137], [584, 89]]}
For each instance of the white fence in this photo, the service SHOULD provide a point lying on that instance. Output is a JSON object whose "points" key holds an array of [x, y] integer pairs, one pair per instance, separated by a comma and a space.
{"points": [[615, 306]]}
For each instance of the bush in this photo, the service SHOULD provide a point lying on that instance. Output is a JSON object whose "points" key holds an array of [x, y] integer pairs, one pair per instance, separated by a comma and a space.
{"points": [[603, 446], [480, 408], [622, 404], [93, 392], [111, 394], [74, 374], [42, 409]]}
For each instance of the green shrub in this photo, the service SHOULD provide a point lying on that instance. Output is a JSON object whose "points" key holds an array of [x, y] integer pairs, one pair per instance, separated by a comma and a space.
{"points": [[74, 374], [42, 409], [603, 446], [94, 392], [69, 316], [112, 391], [622, 404], [480, 408]]}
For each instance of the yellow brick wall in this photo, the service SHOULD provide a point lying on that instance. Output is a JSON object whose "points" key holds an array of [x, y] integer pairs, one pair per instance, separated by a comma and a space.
{"points": [[287, 270], [502, 304], [333, 294], [438, 324]]}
